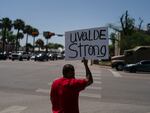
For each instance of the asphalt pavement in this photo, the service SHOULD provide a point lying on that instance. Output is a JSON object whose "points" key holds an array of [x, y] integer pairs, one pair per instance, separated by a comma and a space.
{"points": [[25, 86]]}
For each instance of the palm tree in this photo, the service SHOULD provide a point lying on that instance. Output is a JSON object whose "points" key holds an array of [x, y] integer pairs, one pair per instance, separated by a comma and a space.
{"points": [[18, 25], [20, 36], [28, 31], [35, 33], [6, 25], [40, 43]]}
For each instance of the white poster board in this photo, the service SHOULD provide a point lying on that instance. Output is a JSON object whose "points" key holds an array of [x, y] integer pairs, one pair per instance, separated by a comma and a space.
{"points": [[89, 43]]}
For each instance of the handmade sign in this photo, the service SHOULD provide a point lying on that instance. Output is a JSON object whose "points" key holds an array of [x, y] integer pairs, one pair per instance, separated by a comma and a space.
{"points": [[89, 43]]}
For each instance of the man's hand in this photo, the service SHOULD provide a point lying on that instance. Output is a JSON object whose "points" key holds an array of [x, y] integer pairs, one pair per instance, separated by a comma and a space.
{"points": [[85, 61]]}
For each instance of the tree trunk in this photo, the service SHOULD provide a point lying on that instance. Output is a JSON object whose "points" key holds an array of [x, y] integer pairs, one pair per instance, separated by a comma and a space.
{"points": [[27, 43], [17, 41], [47, 46], [4, 37], [33, 43]]}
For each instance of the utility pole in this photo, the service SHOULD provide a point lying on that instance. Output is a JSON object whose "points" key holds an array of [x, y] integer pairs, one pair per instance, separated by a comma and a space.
{"points": [[48, 35]]}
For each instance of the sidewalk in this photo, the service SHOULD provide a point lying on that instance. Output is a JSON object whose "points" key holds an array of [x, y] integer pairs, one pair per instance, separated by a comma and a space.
{"points": [[101, 66]]}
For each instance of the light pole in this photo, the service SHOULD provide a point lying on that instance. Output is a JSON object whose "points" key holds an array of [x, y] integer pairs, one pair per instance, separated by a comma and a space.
{"points": [[59, 35], [47, 36], [34, 34]]}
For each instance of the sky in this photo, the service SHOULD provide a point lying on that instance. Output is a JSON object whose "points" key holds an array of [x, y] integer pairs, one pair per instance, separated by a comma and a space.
{"points": [[59, 16]]}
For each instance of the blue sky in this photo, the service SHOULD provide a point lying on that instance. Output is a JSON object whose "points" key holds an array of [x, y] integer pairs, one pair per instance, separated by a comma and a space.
{"points": [[64, 15]]}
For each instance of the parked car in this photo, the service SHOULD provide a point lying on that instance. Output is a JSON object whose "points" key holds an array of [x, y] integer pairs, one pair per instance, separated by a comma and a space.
{"points": [[20, 56], [52, 56], [3, 56], [60, 56], [41, 57], [9, 55], [143, 65], [33, 55], [130, 56]]}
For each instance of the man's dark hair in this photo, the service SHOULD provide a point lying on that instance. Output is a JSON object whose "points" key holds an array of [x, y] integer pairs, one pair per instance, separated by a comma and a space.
{"points": [[68, 68]]}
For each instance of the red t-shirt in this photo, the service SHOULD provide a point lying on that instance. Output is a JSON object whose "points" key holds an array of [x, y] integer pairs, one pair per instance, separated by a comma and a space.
{"points": [[64, 94]]}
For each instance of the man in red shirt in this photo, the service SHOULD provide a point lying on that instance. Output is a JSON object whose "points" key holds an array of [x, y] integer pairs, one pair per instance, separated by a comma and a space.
{"points": [[65, 90]]}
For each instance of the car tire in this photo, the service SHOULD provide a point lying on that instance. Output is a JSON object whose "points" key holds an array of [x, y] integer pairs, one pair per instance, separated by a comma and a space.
{"points": [[28, 58], [20, 59], [119, 67]]}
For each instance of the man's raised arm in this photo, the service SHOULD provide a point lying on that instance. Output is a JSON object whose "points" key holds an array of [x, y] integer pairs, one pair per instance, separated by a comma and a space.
{"points": [[88, 72]]}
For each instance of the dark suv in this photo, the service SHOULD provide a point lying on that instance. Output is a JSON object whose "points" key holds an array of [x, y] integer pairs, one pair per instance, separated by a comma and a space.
{"points": [[3, 56], [143, 65], [41, 57], [20, 56]]}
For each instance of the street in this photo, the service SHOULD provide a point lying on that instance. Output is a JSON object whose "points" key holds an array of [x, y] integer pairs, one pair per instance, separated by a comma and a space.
{"points": [[25, 86]]}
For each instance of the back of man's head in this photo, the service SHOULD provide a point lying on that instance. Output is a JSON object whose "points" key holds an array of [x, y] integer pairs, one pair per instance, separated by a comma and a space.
{"points": [[68, 71]]}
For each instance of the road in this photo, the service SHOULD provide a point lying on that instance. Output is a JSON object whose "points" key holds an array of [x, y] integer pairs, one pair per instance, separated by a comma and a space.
{"points": [[24, 88]]}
